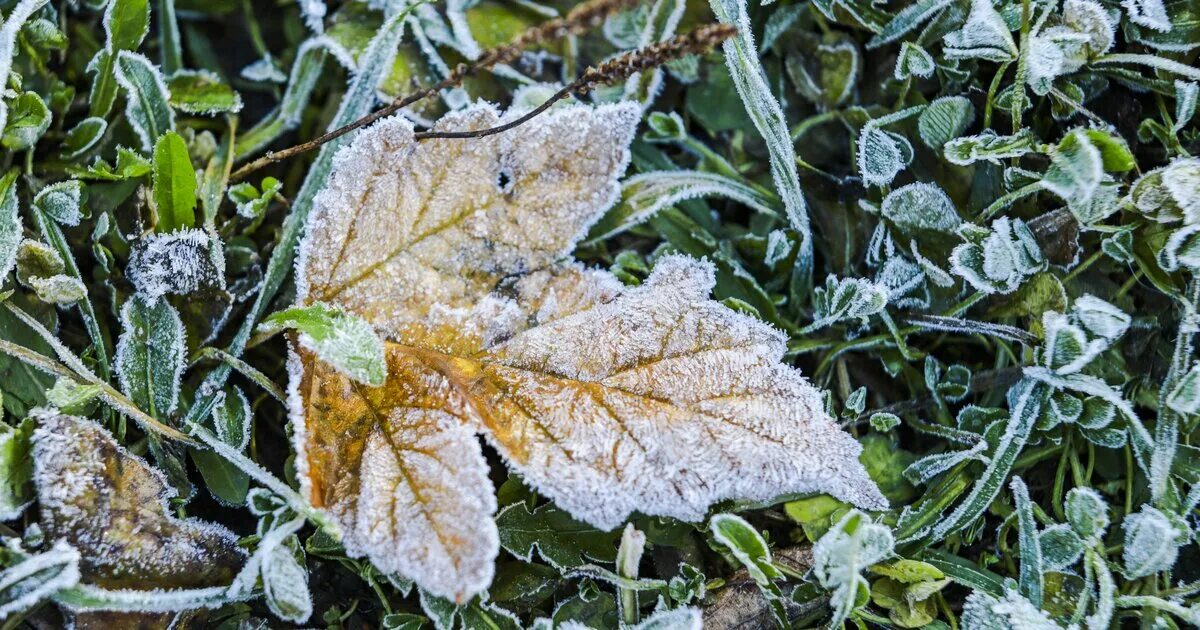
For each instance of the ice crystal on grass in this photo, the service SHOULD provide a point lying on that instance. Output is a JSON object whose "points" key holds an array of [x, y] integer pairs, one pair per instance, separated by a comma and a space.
{"points": [[607, 399], [1152, 541], [112, 507], [37, 577]]}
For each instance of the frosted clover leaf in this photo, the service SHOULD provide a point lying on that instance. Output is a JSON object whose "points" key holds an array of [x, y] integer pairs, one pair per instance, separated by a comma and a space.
{"points": [[341, 339], [999, 260], [841, 555], [456, 252], [1152, 541], [848, 298], [1169, 193], [983, 36]]}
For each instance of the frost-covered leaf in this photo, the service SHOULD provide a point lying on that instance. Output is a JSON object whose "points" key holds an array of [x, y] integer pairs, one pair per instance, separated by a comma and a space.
{"points": [[1091, 19], [344, 340], [1002, 260], [1185, 397], [846, 298], [38, 577], [751, 551], [1152, 541], [1186, 95], [112, 507], [1076, 166], [125, 25], [913, 61], [645, 194], [879, 156], [62, 201], [843, 553], [1148, 13], [559, 539], [1061, 547], [58, 289], [988, 146], [146, 97], [1169, 193], [768, 117], [573, 377], [944, 120], [921, 206], [177, 263], [84, 136], [983, 36], [906, 20], [285, 585], [10, 222], [28, 119], [150, 354]]}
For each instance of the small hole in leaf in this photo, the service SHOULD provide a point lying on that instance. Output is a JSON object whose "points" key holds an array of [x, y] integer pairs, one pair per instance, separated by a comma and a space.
{"points": [[503, 181]]}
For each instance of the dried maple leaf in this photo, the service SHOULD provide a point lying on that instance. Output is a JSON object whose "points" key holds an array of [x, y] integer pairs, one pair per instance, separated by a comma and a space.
{"points": [[112, 507], [608, 399]]}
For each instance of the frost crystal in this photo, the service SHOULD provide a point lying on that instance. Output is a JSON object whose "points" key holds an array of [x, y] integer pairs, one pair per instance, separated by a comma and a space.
{"points": [[840, 556], [178, 263], [112, 506], [37, 577]]}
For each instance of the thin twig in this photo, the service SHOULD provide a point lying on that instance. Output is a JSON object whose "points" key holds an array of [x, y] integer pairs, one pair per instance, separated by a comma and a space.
{"points": [[582, 18], [619, 68]]}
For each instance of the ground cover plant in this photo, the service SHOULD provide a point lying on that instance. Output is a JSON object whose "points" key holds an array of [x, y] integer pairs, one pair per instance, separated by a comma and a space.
{"points": [[612, 314]]}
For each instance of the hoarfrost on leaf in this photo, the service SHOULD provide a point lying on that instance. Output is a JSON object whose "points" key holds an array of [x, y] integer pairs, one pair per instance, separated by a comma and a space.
{"points": [[342, 339], [606, 399], [879, 156], [150, 354], [841, 555], [38, 577], [846, 298], [983, 36], [1152, 541], [112, 507], [984, 612], [177, 263], [1151, 14], [1001, 260], [921, 206]]}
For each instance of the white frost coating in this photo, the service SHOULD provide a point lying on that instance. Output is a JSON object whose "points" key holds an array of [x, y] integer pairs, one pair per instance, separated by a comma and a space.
{"points": [[232, 419], [715, 417], [177, 263], [61, 201], [113, 507], [386, 240], [686, 618], [263, 71], [984, 36], [419, 530], [135, 104], [143, 354], [921, 206], [285, 585], [21, 580], [642, 89], [1151, 14], [767, 115], [1186, 93], [879, 157], [839, 558], [984, 612], [1152, 542], [8, 41]]}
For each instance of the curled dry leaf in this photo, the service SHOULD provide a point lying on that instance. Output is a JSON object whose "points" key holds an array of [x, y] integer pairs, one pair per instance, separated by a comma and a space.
{"points": [[112, 506], [608, 399]]}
